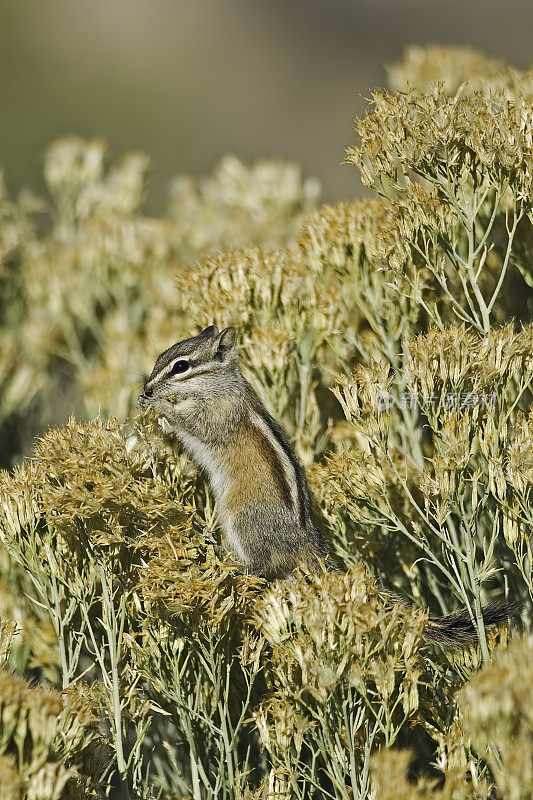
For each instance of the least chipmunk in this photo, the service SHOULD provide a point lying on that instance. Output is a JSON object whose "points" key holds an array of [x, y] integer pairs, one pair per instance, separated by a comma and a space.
{"points": [[263, 500]]}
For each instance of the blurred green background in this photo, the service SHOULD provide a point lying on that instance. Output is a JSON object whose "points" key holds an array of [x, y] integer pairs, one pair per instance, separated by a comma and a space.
{"points": [[190, 80]]}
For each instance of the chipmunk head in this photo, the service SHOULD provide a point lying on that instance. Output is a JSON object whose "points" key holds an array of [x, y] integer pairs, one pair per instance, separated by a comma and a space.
{"points": [[206, 363]]}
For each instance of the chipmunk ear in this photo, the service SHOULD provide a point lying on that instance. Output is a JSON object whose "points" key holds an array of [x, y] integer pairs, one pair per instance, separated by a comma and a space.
{"points": [[226, 343], [210, 332]]}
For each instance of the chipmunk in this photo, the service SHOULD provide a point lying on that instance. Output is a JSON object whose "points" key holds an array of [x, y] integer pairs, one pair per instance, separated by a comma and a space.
{"points": [[263, 501], [264, 505]]}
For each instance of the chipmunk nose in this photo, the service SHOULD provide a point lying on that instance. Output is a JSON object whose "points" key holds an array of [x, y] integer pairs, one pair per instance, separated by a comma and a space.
{"points": [[144, 397]]}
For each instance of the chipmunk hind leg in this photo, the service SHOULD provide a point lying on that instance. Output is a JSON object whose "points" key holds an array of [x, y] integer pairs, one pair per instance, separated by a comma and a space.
{"points": [[270, 546], [276, 562], [270, 561]]}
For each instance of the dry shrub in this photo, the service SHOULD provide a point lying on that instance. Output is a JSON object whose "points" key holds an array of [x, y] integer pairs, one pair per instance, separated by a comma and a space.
{"points": [[497, 714], [415, 307]]}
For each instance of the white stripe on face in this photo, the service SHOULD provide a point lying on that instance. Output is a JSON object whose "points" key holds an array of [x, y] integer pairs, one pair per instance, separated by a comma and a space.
{"points": [[167, 369]]}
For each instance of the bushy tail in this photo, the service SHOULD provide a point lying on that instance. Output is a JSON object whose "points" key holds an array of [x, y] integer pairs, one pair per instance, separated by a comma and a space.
{"points": [[458, 629]]}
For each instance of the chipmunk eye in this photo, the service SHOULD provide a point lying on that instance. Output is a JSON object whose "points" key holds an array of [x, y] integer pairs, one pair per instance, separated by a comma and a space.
{"points": [[178, 367]]}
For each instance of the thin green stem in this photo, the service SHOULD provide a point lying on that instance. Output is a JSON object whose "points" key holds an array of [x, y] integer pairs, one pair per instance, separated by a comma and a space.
{"points": [[505, 264], [110, 625]]}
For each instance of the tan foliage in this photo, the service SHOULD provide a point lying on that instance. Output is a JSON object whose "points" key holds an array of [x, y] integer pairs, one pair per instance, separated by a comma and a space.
{"points": [[186, 676]]}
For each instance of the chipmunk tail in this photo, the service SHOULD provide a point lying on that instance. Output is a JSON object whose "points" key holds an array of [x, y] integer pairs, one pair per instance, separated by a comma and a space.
{"points": [[456, 630]]}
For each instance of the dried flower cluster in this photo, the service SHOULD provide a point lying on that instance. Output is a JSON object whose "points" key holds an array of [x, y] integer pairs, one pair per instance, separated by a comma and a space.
{"points": [[84, 310], [497, 714], [240, 206], [393, 338], [454, 67], [50, 746], [336, 652]]}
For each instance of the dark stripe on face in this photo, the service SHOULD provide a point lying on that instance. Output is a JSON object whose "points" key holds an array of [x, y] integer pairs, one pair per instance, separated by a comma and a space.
{"points": [[279, 434], [181, 376], [184, 349]]}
